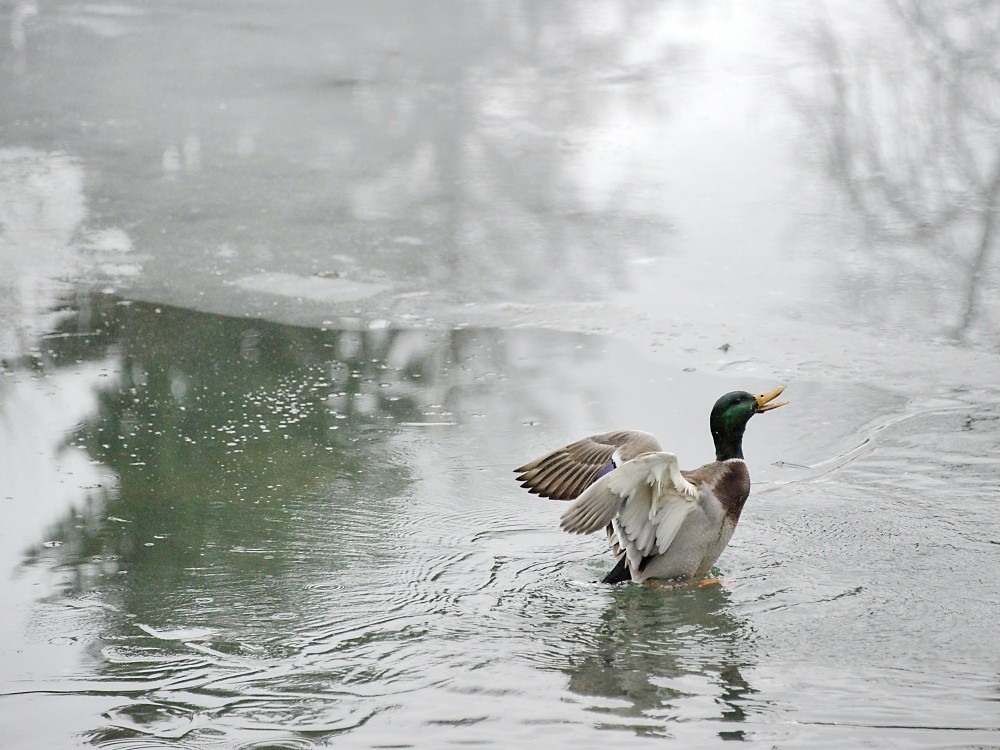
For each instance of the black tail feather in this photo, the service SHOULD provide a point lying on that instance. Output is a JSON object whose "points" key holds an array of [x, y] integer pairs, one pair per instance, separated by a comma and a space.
{"points": [[619, 573]]}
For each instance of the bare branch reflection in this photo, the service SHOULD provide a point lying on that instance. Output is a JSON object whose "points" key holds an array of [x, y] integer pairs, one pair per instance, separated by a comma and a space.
{"points": [[907, 121]]}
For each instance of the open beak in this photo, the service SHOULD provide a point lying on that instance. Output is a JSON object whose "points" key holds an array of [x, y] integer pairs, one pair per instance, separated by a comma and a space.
{"points": [[764, 399]]}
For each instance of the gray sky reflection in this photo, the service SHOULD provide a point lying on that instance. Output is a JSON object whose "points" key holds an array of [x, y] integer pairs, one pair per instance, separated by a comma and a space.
{"points": [[437, 147], [712, 162]]}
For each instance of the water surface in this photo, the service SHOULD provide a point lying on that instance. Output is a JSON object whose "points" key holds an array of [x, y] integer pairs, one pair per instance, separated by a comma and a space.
{"points": [[286, 293]]}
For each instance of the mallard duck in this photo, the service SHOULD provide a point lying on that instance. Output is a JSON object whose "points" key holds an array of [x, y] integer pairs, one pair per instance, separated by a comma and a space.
{"points": [[661, 522]]}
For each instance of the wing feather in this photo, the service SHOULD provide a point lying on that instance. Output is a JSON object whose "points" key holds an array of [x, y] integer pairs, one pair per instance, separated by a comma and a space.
{"points": [[593, 510], [563, 474], [626, 545], [668, 522], [646, 501]]}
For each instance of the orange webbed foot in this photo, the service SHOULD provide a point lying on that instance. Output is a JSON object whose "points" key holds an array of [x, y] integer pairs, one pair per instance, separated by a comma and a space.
{"points": [[658, 584]]}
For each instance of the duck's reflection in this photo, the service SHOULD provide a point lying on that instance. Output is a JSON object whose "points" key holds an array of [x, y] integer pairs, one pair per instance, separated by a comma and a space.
{"points": [[658, 652]]}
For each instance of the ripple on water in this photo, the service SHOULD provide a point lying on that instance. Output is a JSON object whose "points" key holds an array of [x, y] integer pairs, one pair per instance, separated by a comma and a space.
{"points": [[160, 720], [295, 715], [152, 665], [448, 597], [279, 719], [284, 743], [106, 740]]}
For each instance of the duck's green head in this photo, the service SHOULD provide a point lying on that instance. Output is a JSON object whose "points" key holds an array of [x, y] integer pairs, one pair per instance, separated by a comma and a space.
{"points": [[730, 416]]}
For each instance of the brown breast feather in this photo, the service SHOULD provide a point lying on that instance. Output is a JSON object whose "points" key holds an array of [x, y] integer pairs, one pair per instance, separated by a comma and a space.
{"points": [[729, 481]]}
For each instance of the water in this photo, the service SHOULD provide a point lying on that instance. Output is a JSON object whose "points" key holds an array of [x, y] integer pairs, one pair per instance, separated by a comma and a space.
{"points": [[270, 534], [286, 293]]}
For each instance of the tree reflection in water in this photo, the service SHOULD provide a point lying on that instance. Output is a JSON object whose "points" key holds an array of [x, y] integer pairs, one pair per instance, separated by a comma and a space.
{"points": [[906, 117], [217, 427], [261, 473]]}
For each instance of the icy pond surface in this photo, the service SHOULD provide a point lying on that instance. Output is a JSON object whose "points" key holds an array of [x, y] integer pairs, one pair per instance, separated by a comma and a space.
{"points": [[288, 289]]}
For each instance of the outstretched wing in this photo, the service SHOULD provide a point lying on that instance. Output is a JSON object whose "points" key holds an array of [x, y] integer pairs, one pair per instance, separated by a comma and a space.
{"points": [[566, 472], [646, 500]]}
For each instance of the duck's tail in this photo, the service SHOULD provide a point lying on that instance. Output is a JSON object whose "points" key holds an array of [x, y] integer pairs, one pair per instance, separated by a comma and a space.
{"points": [[619, 573]]}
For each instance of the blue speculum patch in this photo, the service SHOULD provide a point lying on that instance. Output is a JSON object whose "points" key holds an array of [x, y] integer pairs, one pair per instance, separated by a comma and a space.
{"points": [[608, 467]]}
